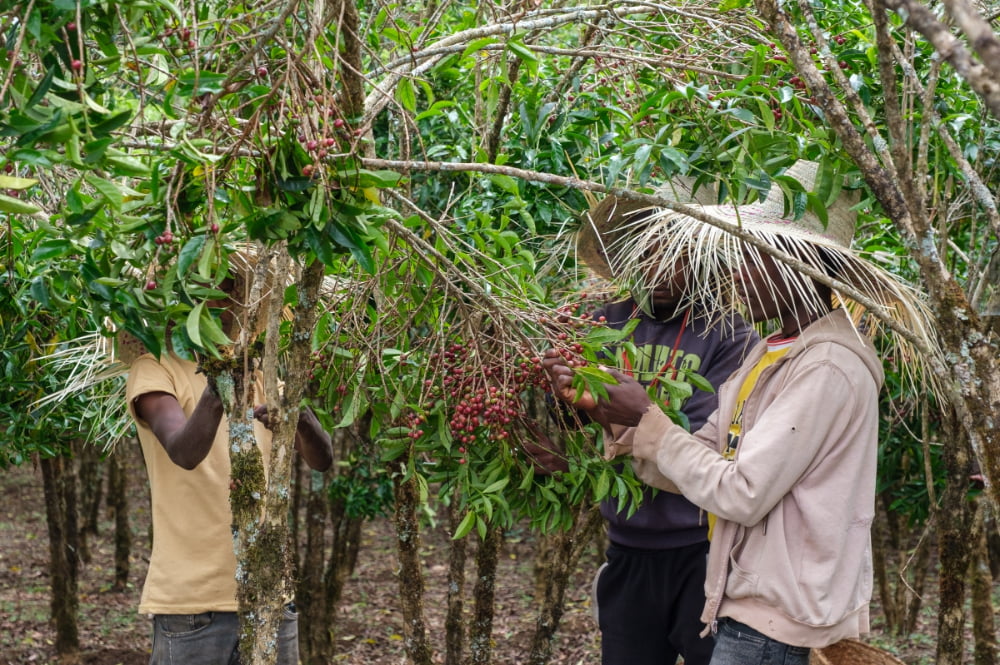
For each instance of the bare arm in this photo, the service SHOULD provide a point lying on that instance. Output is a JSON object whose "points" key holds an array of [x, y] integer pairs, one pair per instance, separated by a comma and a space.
{"points": [[311, 440], [186, 440]]}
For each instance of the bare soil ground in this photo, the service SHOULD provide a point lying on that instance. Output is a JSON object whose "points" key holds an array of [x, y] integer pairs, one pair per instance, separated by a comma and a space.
{"points": [[369, 627]]}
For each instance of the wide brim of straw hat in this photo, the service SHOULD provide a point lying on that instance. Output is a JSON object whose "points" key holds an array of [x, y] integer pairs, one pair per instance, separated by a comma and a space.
{"points": [[605, 227], [818, 241]]}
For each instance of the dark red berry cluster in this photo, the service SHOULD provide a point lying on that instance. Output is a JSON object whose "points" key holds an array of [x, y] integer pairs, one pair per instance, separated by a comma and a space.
{"points": [[481, 400]]}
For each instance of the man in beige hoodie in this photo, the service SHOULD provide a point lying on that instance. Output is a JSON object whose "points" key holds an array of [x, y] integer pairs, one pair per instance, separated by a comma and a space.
{"points": [[786, 465]]}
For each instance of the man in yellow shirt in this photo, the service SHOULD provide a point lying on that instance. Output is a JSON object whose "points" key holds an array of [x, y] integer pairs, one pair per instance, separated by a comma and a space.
{"points": [[190, 588]]}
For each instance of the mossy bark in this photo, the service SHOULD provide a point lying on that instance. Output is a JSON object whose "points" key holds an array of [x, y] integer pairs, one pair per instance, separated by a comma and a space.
{"points": [[90, 474], [411, 578], [565, 548], [981, 580], [454, 622], [955, 550], [484, 594], [315, 635]]}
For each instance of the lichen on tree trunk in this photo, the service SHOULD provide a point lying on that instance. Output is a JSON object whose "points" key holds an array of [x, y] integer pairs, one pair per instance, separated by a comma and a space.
{"points": [[411, 579], [483, 594], [955, 548], [565, 549], [454, 623]]}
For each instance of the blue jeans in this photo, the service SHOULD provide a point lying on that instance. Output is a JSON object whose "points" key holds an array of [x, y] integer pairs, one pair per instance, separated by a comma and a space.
{"points": [[212, 638], [739, 644]]}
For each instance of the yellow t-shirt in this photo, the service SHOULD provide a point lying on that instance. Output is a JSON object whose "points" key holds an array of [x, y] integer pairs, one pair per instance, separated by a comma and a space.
{"points": [[776, 348], [192, 568]]}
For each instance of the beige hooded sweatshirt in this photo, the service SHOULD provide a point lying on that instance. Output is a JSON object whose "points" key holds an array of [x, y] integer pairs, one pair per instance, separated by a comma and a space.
{"points": [[791, 551]]}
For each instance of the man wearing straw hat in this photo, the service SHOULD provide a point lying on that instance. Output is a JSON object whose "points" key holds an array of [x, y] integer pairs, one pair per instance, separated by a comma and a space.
{"points": [[190, 588], [649, 594], [786, 465]]}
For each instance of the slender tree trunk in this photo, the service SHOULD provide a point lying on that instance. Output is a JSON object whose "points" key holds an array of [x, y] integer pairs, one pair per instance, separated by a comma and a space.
{"points": [[299, 469], [60, 512], [484, 594], [118, 505], [454, 623], [920, 563], [315, 633], [325, 570], [883, 540], [343, 560], [566, 547], [983, 612], [411, 578], [956, 549], [91, 475]]}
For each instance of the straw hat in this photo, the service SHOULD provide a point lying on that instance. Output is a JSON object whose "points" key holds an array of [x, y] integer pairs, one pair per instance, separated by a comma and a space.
{"points": [[605, 228], [816, 236]]}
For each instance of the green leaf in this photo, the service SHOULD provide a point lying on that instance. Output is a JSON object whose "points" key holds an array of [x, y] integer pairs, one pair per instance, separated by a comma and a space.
{"points": [[192, 324], [211, 330], [42, 89], [699, 382], [518, 48], [39, 291], [603, 485], [49, 249], [406, 95], [497, 486], [504, 182], [595, 374], [94, 150], [13, 182], [193, 83], [127, 166], [107, 189], [478, 44], [465, 526], [16, 206], [205, 260], [110, 124], [191, 250]]}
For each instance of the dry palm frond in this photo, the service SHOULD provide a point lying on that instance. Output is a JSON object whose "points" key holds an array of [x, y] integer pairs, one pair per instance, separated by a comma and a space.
{"points": [[86, 367]]}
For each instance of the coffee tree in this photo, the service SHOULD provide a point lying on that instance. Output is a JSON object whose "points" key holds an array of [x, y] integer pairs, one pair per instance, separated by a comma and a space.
{"points": [[413, 173]]}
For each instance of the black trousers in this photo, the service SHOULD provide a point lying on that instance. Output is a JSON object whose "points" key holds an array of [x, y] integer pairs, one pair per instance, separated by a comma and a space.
{"points": [[649, 606]]}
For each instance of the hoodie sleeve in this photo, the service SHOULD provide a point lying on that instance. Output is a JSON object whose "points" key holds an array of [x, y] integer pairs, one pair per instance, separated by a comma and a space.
{"points": [[800, 418]]}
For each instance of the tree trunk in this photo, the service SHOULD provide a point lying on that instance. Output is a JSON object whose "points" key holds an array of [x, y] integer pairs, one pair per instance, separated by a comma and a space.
{"points": [[983, 613], [901, 566], [326, 570], [118, 506], [411, 578], [315, 625], [454, 623], [484, 594], [91, 475], [565, 547], [920, 563], [955, 554], [60, 512]]}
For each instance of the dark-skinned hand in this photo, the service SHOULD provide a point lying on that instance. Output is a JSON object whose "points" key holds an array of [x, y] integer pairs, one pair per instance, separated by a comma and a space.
{"points": [[625, 403]]}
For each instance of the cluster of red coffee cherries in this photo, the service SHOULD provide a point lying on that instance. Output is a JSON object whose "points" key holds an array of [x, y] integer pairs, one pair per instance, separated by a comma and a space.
{"points": [[481, 401]]}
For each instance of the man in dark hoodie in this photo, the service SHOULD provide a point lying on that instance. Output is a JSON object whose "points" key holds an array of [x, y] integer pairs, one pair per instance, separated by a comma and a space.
{"points": [[650, 592]]}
